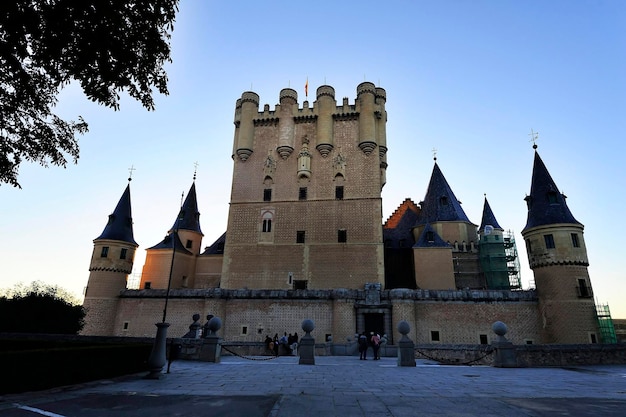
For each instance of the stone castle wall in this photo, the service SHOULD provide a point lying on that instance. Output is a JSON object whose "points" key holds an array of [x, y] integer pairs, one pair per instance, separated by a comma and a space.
{"points": [[250, 315]]}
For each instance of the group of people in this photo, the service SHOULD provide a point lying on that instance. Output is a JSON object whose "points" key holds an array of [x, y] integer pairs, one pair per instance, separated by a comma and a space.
{"points": [[374, 340], [289, 343]]}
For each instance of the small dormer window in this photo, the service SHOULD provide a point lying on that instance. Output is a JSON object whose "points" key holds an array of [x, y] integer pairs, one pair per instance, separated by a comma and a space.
{"points": [[430, 236], [552, 197], [189, 244], [443, 201]]}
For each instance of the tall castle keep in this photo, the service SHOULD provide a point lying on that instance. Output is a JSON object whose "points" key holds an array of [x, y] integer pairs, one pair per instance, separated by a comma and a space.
{"points": [[305, 239]]}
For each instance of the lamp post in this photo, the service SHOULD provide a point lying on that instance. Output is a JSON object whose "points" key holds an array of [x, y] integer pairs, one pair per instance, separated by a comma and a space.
{"points": [[158, 358]]}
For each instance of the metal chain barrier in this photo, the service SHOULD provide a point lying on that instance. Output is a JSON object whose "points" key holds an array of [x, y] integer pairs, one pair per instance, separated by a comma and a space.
{"points": [[250, 358], [488, 352]]}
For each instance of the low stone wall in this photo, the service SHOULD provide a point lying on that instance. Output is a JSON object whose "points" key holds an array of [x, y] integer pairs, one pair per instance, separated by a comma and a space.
{"points": [[570, 355], [456, 354]]}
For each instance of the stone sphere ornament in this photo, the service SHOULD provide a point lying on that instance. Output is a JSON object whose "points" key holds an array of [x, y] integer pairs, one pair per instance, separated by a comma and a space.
{"points": [[404, 328], [215, 324], [499, 328], [308, 325]]}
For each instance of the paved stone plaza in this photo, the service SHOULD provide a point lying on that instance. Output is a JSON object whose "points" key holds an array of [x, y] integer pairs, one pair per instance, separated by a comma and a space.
{"points": [[337, 386]]}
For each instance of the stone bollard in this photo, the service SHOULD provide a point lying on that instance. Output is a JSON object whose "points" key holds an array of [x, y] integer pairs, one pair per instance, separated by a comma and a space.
{"points": [[306, 347], [504, 355], [406, 347], [194, 328], [211, 347], [205, 329]]}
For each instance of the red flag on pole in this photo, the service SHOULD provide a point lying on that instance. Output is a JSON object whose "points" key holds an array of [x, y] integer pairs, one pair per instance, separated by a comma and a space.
{"points": [[306, 87]]}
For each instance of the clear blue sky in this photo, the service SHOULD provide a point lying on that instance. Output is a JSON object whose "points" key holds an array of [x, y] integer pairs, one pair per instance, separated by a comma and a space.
{"points": [[469, 78]]}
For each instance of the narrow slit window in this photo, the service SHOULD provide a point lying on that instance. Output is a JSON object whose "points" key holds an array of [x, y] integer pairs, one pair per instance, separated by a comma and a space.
{"points": [[342, 235], [339, 192]]}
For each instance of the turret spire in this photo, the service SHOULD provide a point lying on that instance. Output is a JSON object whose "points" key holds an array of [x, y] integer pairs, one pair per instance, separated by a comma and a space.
{"points": [[120, 225], [440, 203], [488, 218], [189, 216], [546, 204]]}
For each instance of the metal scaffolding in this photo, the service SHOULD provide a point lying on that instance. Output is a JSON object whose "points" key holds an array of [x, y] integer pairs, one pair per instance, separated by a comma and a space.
{"points": [[607, 330]]}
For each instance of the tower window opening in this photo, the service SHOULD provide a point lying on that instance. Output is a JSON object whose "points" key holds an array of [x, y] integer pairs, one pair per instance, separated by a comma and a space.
{"points": [[434, 336], [430, 236], [342, 235], [147, 285], [105, 252], [339, 192], [123, 253], [125, 327], [302, 193], [267, 225], [584, 291], [575, 241], [483, 339], [552, 197], [443, 201], [267, 194], [549, 240], [300, 284], [189, 244], [300, 236]]}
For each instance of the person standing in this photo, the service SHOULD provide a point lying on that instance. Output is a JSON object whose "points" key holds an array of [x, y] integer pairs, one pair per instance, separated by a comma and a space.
{"points": [[363, 346], [376, 345]]}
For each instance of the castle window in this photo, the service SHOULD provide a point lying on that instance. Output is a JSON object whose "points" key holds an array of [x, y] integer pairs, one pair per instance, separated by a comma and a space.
{"points": [[430, 236], [549, 240], [147, 285], [593, 338], [189, 244], [185, 282], [299, 284], [552, 197], [483, 339], [575, 242], [434, 336], [244, 330], [125, 327], [302, 193], [123, 253], [496, 237], [300, 235], [443, 201], [342, 236], [339, 192], [267, 225], [105, 252], [267, 194], [584, 291]]}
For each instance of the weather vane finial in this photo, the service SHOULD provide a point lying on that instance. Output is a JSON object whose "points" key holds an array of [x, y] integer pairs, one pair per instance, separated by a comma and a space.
{"points": [[195, 169], [130, 173], [534, 136], [434, 151]]}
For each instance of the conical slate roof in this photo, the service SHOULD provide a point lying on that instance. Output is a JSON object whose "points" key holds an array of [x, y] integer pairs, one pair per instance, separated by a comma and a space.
{"points": [[430, 239], [120, 224], [167, 243], [189, 216], [440, 203], [488, 218], [546, 205]]}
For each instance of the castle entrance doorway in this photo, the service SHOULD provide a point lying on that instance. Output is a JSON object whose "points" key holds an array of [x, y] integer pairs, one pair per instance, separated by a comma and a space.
{"points": [[374, 322]]}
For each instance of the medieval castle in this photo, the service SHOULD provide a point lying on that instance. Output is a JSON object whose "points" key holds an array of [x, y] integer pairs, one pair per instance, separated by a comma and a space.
{"points": [[305, 239]]}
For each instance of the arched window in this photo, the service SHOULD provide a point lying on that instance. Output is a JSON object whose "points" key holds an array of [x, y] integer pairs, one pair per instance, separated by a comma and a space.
{"points": [[267, 222]]}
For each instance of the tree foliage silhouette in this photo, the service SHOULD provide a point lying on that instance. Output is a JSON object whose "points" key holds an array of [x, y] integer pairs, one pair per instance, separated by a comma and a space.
{"points": [[40, 308], [107, 46]]}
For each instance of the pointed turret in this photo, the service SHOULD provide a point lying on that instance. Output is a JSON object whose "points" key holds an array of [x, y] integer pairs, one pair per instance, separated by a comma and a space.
{"points": [[440, 203], [120, 225], [111, 262], [546, 205], [189, 216], [557, 255], [488, 219]]}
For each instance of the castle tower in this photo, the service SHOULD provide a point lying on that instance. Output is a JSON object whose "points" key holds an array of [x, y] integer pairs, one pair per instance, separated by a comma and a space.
{"points": [[176, 255], [493, 260], [558, 257], [306, 207], [445, 255], [111, 262]]}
